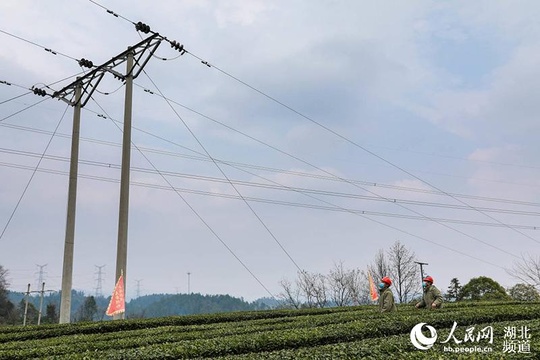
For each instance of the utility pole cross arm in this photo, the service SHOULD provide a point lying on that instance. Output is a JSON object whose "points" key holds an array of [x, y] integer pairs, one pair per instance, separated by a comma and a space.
{"points": [[141, 52]]}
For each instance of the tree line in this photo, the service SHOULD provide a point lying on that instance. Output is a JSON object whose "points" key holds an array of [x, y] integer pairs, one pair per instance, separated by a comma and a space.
{"points": [[339, 287], [345, 287], [92, 308]]}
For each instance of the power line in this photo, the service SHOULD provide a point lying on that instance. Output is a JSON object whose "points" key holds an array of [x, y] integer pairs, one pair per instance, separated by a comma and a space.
{"points": [[465, 159], [112, 12], [345, 180], [336, 134], [299, 114], [368, 218], [83, 63], [356, 144], [33, 89], [263, 168], [32, 176], [263, 185], [195, 212], [501, 250], [332, 131], [348, 210], [400, 230], [15, 97], [318, 176], [332, 207], [22, 110], [228, 180], [142, 27], [38, 45], [473, 237], [7, 83]]}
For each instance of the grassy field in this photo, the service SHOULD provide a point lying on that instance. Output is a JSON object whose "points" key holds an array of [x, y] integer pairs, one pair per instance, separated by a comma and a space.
{"points": [[499, 330]]}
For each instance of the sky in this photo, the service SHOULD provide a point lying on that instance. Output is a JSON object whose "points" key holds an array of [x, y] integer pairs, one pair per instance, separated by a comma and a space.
{"points": [[336, 128]]}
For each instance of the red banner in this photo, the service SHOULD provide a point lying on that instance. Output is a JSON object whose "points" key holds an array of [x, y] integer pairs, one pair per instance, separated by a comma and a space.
{"points": [[372, 289], [118, 299]]}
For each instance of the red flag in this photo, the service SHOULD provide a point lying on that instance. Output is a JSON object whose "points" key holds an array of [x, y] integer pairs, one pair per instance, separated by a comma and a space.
{"points": [[118, 300], [372, 288]]}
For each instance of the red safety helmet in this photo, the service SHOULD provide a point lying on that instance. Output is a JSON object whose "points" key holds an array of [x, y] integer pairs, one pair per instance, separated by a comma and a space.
{"points": [[428, 279], [387, 280]]}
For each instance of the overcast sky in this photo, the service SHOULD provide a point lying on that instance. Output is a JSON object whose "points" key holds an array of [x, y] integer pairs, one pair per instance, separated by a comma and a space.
{"points": [[407, 110]]}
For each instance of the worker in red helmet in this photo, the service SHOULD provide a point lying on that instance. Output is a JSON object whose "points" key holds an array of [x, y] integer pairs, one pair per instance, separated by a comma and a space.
{"points": [[432, 298], [386, 297]]}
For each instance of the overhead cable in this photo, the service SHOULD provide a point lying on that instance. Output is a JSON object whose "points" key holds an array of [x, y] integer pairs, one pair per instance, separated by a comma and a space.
{"points": [[207, 225]]}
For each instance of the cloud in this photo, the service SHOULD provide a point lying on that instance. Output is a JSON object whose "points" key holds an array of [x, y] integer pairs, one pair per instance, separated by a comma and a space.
{"points": [[240, 12], [503, 171]]}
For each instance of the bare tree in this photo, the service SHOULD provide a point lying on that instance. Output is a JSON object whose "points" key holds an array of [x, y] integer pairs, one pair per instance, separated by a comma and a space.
{"points": [[290, 295], [380, 266], [321, 291], [398, 264], [403, 271], [341, 285], [357, 281], [360, 287], [313, 287], [527, 269], [309, 290]]}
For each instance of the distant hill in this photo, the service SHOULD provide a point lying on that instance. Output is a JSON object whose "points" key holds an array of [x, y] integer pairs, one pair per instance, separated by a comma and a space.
{"points": [[151, 306], [267, 302], [156, 305]]}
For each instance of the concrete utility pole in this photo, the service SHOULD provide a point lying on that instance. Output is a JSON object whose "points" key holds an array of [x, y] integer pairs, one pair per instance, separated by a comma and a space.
{"points": [[121, 250], [27, 297], [188, 283], [67, 272], [42, 292], [26, 305], [77, 94]]}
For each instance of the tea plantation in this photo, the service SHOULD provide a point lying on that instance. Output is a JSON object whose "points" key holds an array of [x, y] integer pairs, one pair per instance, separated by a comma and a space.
{"points": [[463, 330]]}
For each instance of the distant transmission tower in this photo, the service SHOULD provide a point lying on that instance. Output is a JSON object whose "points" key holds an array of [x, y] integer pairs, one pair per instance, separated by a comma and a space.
{"points": [[99, 280], [41, 276], [138, 287]]}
